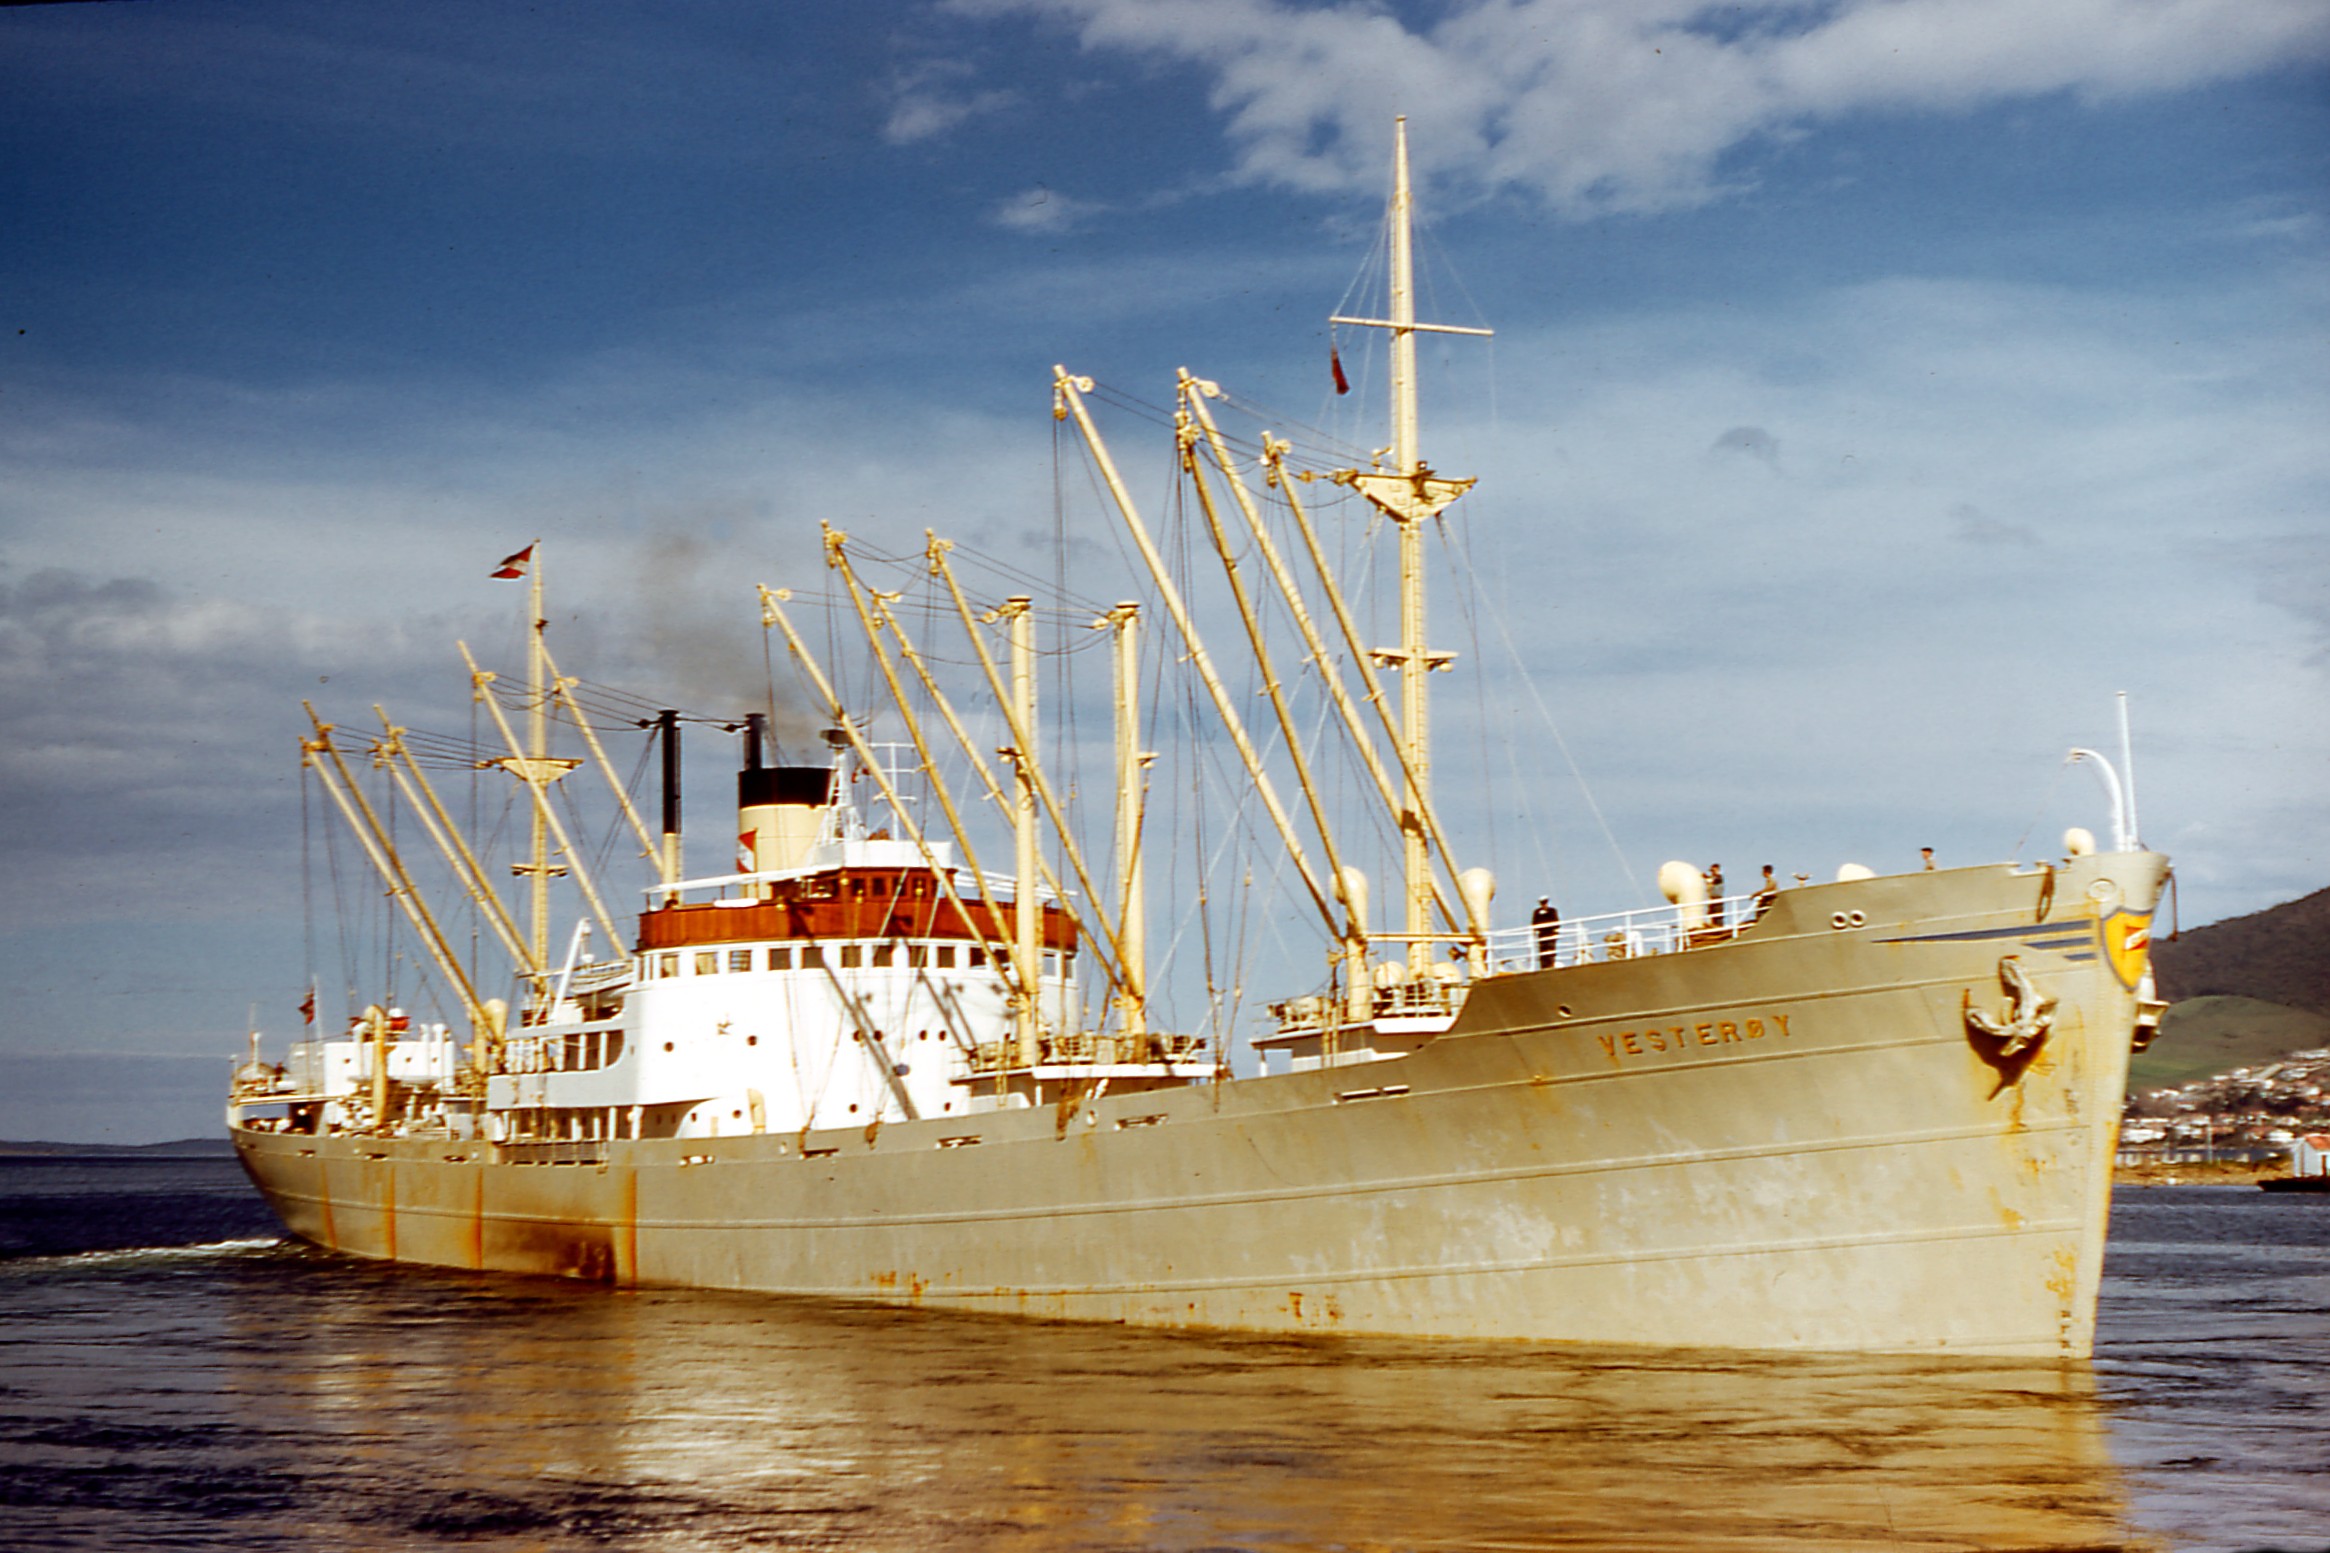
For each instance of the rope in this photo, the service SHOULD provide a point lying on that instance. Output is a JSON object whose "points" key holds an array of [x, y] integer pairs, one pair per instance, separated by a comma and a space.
{"points": [[2045, 799], [307, 902], [1577, 774]]}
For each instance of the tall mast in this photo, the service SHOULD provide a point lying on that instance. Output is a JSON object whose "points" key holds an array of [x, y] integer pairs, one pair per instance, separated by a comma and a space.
{"points": [[1415, 694], [538, 774], [1405, 457], [1411, 496], [538, 752]]}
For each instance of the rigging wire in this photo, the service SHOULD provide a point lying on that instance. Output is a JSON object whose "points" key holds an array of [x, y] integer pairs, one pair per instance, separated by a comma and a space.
{"points": [[1459, 556], [1071, 754], [307, 901], [768, 662], [1577, 773], [2045, 799], [350, 949], [395, 851]]}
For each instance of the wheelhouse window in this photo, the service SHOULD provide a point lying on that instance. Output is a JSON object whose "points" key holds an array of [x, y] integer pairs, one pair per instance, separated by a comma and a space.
{"points": [[946, 957], [707, 962], [781, 957], [852, 955], [740, 959], [885, 955], [667, 965]]}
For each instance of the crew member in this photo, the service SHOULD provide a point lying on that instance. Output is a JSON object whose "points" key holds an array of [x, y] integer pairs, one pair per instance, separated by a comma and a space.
{"points": [[1546, 923]]}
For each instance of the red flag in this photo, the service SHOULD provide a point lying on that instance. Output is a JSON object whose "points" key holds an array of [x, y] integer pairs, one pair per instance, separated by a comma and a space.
{"points": [[747, 852], [515, 565], [307, 1006], [1335, 363]]}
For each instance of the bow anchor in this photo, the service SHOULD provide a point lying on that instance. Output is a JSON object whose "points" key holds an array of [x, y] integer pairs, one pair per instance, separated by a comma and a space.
{"points": [[2030, 1013]]}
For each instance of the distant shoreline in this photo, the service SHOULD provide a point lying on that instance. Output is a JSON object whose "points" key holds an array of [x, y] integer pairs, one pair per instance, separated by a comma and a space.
{"points": [[2222, 1172], [176, 1148]]}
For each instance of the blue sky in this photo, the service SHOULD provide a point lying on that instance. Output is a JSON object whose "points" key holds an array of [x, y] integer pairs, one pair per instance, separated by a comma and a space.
{"points": [[1878, 388]]}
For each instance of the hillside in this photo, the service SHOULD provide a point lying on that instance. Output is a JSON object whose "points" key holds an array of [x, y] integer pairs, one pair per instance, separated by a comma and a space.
{"points": [[2279, 955], [2241, 992], [2202, 1037]]}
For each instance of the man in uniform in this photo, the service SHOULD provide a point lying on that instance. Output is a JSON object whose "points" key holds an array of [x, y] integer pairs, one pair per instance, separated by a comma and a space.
{"points": [[1546, 922]]}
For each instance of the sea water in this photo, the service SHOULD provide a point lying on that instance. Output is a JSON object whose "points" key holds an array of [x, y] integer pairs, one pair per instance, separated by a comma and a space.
{"points": [[174, 1375]]}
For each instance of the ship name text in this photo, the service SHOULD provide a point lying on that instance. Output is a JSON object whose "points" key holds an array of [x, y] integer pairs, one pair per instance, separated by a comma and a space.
{"points": [[1678, 1038]]}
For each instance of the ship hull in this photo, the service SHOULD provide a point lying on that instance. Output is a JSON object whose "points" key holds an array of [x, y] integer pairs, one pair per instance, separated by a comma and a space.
{"points": [[1793, 1140]]}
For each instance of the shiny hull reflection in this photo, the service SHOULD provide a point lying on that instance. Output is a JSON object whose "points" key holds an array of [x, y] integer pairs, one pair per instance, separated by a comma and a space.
{"points": [[679, 1418]]}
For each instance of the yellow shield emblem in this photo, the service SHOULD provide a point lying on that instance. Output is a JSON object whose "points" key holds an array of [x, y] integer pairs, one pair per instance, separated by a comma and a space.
{"points": [[2127, 945]]}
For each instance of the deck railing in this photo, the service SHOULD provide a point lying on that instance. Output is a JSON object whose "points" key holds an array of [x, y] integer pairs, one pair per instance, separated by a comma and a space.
{"points": [[1622, 935]]}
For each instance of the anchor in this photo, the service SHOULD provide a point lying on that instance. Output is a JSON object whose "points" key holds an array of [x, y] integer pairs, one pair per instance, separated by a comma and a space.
{"points": [[2030, 1013]]}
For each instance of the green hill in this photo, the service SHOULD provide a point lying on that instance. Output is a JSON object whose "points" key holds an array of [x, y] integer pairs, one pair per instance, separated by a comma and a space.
{"points": [[2279, 955], [2240, 992], [2209, 1035]]}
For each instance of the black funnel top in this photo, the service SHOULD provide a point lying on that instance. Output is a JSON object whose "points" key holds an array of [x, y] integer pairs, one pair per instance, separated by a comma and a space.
{"points": [[802, 786]]}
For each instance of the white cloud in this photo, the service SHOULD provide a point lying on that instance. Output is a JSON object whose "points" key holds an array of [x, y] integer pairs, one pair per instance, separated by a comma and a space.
{"points": [[1631, 105], [147, 734], [929, 98], [1041, 209]]}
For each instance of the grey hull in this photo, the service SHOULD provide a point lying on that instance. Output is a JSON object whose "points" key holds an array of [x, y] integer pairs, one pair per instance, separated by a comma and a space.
{"points": [[1791, 1140]]}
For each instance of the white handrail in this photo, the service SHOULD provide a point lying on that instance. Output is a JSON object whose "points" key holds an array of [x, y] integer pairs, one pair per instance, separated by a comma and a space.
{"points": [[1621, 935]]}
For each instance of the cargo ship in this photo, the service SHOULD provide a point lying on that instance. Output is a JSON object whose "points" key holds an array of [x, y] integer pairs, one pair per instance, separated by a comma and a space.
{"points": [[1877, 1113]]}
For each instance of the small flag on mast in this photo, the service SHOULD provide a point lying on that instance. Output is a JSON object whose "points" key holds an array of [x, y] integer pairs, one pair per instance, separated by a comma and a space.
{"points": [[1335, 364], [307, 1005], [515, 565]]}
